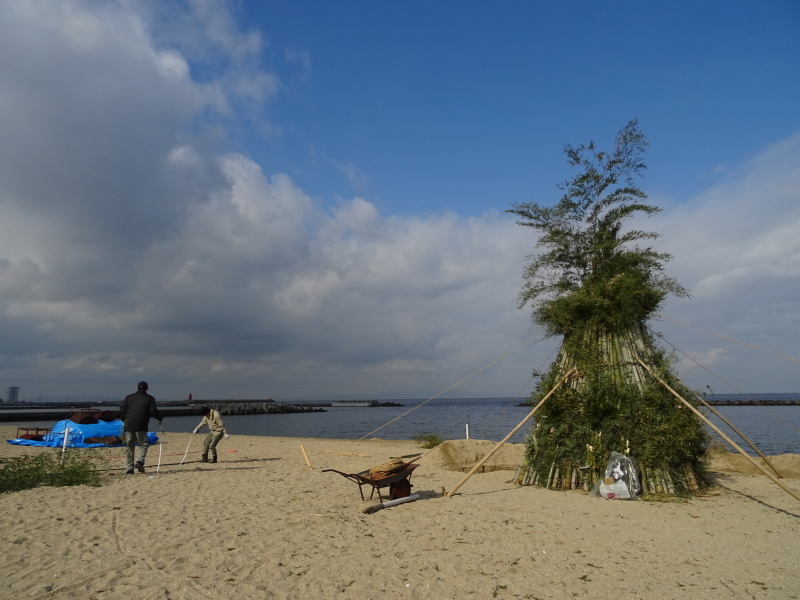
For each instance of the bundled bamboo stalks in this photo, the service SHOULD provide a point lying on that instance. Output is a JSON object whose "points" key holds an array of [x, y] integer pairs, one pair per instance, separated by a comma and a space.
{"points": [[691, 481], [568, 476], [661, 481], [565, 476]]}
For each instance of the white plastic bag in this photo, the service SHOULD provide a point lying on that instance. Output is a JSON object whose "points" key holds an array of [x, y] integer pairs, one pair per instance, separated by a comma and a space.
{"points": [[615, 491], [621, 480]]}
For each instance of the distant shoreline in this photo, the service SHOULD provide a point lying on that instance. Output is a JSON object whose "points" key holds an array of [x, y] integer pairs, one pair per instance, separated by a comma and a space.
{"points": [[48, 411], [753, 402]]}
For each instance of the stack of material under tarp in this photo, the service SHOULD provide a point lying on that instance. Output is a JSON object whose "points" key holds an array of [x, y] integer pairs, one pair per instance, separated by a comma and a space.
{"points": [[83, 435]]}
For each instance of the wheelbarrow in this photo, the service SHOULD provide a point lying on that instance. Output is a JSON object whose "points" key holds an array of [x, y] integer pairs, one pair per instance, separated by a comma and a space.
{"points": [[396, 481]]}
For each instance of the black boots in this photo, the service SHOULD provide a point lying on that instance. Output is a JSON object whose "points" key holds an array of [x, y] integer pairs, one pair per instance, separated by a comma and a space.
{"points": [[204, 458]]}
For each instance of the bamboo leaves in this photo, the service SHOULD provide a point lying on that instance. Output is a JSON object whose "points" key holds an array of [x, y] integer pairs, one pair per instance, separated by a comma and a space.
{"points": [[589, 271]]}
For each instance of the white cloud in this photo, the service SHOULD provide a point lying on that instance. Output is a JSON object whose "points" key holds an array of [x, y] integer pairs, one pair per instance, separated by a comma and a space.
{"points": [[172, 65], [131, 247], [737, 247], [357, 179]]}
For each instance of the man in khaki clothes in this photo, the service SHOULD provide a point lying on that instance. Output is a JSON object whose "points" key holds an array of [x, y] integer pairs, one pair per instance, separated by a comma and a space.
{"points": [[216, 430]]}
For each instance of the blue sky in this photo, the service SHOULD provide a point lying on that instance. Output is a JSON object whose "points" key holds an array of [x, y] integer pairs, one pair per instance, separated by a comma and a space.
{"points": [[306, 199], [414, 97]]}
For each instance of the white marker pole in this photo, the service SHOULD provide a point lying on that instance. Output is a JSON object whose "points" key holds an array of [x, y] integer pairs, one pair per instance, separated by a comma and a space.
{"points": [[64, 445]]}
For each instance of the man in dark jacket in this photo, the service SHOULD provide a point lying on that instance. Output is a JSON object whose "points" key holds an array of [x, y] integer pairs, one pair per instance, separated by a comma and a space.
{"points": [[135, 412]]}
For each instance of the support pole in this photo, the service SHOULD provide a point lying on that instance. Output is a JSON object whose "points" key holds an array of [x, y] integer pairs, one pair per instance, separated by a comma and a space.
{"points": [[306, 456], [729, 424], [508, 437], [160, 447], [720, 433]]}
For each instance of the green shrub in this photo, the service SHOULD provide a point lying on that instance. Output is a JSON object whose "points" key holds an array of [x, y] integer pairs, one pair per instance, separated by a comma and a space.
{"points": [[427, 440], [26, 472]]}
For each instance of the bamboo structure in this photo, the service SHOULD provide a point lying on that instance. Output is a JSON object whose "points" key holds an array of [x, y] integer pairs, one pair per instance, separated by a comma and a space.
{"points": [[596, 282], [610, 405]]}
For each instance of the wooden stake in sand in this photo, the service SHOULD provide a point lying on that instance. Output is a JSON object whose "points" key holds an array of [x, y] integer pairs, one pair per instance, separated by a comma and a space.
{"points": [[341, 453], [733, 444], [508, 437], [306, 456]]}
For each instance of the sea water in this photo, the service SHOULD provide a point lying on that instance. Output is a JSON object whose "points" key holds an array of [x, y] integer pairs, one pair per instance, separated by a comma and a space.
{"points": [[487, 418], [774, 429]]}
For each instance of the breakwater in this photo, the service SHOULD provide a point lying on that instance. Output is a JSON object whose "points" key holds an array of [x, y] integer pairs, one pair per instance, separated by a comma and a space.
{"points": [[57, 411], [753, 402]]}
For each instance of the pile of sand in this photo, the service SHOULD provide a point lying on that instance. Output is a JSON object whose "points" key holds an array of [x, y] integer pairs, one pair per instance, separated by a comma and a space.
{"points": [[787, 465], [462, 455]]}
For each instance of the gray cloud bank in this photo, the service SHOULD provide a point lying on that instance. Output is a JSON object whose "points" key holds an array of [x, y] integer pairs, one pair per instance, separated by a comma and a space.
{"points": [[135, 244]]}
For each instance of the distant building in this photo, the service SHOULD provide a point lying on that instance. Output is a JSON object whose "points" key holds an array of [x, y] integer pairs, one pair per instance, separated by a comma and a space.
{"points": [[13, 394]]}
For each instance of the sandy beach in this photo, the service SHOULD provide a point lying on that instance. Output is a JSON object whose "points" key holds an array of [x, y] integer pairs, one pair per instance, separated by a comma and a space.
{"points": [[262, 524]]}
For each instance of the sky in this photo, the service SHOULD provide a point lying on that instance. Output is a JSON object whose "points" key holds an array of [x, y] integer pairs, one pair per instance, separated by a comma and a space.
{"points": [[307, 199]]}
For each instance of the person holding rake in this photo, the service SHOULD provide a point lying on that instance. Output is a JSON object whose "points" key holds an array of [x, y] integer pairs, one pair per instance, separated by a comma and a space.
{"points": [[216, 430]]}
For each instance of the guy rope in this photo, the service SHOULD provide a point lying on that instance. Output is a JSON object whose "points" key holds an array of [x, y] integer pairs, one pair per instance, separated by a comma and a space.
{"points": [[450, 388], [724, 337]]}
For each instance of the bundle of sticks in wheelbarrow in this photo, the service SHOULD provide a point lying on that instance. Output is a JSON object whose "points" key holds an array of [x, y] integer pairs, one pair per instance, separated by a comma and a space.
{"points": [[394, 474]]}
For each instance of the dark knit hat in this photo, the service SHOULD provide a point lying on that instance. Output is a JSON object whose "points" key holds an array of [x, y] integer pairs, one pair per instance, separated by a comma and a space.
{"points": [[142, 385]]}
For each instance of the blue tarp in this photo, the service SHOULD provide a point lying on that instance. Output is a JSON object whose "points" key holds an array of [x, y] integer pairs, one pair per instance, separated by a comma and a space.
{"points": [[78, 433]]}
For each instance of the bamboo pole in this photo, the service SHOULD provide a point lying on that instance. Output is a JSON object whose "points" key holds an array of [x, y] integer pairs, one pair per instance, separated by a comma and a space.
{"points": [[643, 478], [306, 456], [691, 480], [660, 485], [721, 433], [423, 455], [550, 475], [510, 435], [337, 453], [741, 435], [668, 483]]}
